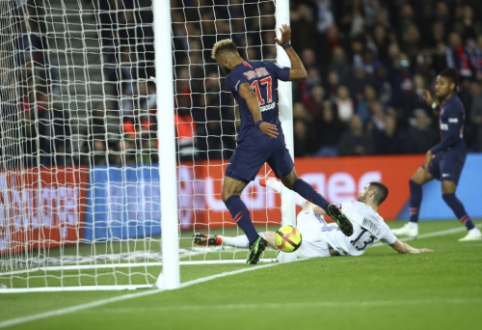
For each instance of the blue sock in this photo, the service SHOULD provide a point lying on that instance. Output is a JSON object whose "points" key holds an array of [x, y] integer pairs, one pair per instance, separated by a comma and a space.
{"points": [[415, 200], [240, 214], [459, 210], [307, 192]]}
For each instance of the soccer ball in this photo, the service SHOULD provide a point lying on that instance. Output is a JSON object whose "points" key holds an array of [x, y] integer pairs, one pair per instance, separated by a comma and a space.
{"points": [[288, 239]]}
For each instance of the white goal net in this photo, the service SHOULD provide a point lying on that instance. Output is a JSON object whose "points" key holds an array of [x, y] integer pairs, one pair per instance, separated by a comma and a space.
{"points": [[79, 121]]}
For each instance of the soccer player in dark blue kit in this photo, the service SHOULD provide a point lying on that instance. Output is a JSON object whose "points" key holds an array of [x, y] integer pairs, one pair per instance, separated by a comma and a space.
{"points": [[261, 140], [444, 161]]}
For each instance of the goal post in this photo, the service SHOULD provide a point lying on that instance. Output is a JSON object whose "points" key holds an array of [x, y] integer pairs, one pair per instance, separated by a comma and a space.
{"points": [[116, 127], [170, 276], [285, 105]]}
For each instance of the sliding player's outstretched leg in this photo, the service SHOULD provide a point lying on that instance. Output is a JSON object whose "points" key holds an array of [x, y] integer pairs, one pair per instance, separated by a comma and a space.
{"points": [[206, 240]]}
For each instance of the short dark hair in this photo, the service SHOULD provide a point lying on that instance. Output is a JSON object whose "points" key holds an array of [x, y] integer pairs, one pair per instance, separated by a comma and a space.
{"points": [[450, 74], [381, 191]]}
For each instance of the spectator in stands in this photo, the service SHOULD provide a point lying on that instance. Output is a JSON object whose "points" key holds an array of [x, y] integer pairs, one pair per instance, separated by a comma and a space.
{"points": [[422, 136], [377, 116], [339, 64], [301, 136], [388, 141], [124, 153], [363, 106], [352, 22], [53, 131], [332, 84], [344, 104], [355, 141], [327, 131], [314, 102], [476, 115], [302, 20], [381, 41]]}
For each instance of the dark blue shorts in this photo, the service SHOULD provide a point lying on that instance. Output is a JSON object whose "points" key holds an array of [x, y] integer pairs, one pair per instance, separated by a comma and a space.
{"points": [[251, 154], [448, 165]]}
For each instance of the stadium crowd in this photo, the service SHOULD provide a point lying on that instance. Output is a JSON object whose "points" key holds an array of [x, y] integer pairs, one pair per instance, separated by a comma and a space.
{"points": [[367, 62]]}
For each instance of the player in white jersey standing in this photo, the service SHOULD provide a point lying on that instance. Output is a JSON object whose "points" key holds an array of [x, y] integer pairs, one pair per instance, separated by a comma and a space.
{"points": [[322, 239]]}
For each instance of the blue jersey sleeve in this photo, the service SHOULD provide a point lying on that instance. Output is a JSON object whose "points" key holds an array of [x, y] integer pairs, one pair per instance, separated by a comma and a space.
{"points": [[234, 81], [452, 127], [280, 72]]}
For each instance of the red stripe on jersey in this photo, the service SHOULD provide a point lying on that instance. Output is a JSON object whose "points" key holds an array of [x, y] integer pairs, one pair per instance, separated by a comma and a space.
{"points": [[247, 64], [238, 216]]}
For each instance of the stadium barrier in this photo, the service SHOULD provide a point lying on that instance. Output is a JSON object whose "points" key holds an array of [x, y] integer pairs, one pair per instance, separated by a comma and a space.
{"points": [[124, 202], [49, 205], [45, 207]]}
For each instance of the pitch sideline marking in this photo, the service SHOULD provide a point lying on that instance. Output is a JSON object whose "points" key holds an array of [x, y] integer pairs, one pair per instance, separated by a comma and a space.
{"points": [[77, 308]]}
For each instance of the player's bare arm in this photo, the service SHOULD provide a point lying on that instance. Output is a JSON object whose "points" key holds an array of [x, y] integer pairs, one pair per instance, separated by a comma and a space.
{"points": [[248, 95], [404, 248], [297, 71]]}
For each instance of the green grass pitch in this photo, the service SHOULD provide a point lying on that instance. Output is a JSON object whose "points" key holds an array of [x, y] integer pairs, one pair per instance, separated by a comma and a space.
{"points": [[379, 290]]}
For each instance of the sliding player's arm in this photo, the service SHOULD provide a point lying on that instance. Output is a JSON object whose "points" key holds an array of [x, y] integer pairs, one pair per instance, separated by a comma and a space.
{"points": [[297, 71], [249, 96], [404, 248]]}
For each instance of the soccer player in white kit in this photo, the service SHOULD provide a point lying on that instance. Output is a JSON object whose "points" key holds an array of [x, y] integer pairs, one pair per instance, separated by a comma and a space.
{"points": [[322, 239]]}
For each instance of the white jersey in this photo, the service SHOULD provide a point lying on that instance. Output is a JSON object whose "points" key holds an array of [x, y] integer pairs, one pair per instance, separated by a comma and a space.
{"points": [[368, 228]]}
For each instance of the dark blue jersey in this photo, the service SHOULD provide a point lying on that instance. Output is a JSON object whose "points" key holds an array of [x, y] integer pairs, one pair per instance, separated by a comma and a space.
{"points": [[263, 79], [452, 118]]}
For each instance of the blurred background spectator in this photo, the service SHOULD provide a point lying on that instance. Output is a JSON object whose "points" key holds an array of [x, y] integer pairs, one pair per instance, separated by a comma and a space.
{"points": [[367, 62]]}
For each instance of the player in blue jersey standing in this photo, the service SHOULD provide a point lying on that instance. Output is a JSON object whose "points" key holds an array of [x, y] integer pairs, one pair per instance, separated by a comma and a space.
{"points": [[261, 140], [444, 161]]}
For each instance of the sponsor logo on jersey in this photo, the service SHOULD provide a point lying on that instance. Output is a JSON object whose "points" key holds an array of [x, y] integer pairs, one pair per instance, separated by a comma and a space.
{"points": [[267, 107], [444, 175], [444, 127], [256, 73], [453, 120], [236, 86], [373, 228]]}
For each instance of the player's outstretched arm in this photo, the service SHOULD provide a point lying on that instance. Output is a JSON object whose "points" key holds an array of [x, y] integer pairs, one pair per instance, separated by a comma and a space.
{"points": [[297, 71], [248, 95], [404, 248]]}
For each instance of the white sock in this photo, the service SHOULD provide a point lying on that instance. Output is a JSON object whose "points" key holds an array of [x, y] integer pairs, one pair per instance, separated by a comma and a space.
{"points": [[277, 186], [299, 200], [238, 241], [274, 184], [413, 225]]}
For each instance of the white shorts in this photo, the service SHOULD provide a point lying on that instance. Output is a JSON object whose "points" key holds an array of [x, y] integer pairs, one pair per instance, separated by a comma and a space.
{"points": [[313, 244]]}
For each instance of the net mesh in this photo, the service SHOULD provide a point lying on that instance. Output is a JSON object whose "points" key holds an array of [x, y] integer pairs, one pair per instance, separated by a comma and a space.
{"points": [[79, 180]]}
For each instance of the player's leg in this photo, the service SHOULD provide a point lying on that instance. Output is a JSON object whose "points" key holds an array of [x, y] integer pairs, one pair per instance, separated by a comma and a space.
{"points": [[292, 181], [247, 159], [283, 166], [269, 180], [240, 241], [453, 170], [416, 182], [232, 189]]}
